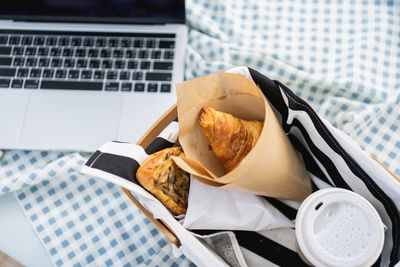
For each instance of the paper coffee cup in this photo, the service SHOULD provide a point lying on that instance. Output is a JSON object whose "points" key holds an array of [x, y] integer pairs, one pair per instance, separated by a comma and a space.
{"points": [[337, 227]]}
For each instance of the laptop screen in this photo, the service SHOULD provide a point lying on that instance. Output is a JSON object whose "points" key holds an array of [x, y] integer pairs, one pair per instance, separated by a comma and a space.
{"points": [[122, 11]]}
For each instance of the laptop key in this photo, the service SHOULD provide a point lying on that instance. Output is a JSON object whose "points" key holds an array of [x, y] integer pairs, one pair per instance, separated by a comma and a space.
{"points": [[118, 53], [80, 53], [119, 64], [93, 53], [156, 54], [73, 74], [81, 63], [55, 52], [165, 88], [126, 87], [3, 39], [158, 76], [76, 41], [105, 53], [5, 61], [30, 51], [125, 43], [88, 42], [124, 75], [111, 86], [4, 83], [19, 61], [99, 75], [7, 72], [86, 74], [17, 83], [69, 63], [26, 40], [4, 50], [169, 55], [113, 42], [56, 62], [51, 40], [143, 54], [139, 87], [39, 40], [162, 65], [63, 41], [35, 73], [132, 64], [44, 62], [106, 64], [166, 44], [31, 62], [94, 63], [48, 73], [137, 75], [61, 74], [69, 85], [151, 43], [43, 51], [101, 42], [17, 51], [145, 65], [15, 40], [152, 87], [31, 84], [22, 72], [130, 53], [138, 43], [112, 75], [68, 52]]}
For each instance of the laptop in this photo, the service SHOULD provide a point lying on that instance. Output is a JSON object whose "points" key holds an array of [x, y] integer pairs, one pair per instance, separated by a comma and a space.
{"points": [[75, 74]]}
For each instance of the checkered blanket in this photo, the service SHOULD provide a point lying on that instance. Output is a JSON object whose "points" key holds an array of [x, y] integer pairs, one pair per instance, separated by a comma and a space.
{"points": [[343, 57]]}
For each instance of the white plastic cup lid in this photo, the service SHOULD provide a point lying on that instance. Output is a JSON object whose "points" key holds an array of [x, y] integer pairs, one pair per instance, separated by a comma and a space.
{"points": [[337, 227]]}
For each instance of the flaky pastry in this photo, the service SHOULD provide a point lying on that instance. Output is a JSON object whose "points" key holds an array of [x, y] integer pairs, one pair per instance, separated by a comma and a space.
{"points": [[231, 138], [165, 180]]}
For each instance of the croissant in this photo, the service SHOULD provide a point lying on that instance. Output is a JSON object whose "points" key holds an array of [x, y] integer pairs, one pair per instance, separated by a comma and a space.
{"points": [[231, 138], [165, 180]]}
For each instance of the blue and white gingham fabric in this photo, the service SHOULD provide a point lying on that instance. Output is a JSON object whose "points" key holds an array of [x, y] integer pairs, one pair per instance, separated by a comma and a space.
{"points": [[82, 221], [342, 56]]}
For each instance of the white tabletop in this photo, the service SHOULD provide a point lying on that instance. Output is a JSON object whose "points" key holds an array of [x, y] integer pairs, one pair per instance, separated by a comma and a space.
{"points": [[17, 238]]}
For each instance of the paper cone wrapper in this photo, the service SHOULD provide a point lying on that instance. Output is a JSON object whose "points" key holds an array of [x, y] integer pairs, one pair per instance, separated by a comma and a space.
{"points": [[272, 168]]}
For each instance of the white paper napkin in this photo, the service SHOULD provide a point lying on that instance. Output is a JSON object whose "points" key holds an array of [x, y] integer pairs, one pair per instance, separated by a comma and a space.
{"points": [[216, 208]]}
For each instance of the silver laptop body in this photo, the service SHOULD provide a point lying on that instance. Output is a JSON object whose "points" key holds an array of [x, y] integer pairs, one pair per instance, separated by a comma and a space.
{"points": [[76, 85]]}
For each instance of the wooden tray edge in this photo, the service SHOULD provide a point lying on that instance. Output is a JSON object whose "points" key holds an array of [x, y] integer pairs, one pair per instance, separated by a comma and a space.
{"points": [[146, 139]]}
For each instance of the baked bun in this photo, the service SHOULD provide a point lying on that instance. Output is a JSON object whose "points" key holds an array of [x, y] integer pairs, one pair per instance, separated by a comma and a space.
{"points": [[231, 138], [165, 180]]}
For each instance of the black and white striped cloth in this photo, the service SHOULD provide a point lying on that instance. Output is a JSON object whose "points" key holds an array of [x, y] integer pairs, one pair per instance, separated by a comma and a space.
{"points": [[331, 158]]}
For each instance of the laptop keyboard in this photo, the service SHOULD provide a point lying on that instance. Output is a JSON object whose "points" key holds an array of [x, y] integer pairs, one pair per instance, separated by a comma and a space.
{"points": [[137, 62]]}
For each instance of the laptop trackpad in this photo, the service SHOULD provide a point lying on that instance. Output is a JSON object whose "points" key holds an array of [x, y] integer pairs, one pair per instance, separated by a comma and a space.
{"points": [[75, 120], [12, 113]]}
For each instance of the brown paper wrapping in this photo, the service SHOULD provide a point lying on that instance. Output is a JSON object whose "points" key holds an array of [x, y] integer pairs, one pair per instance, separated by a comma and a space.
{"points": [[272, 168]]}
